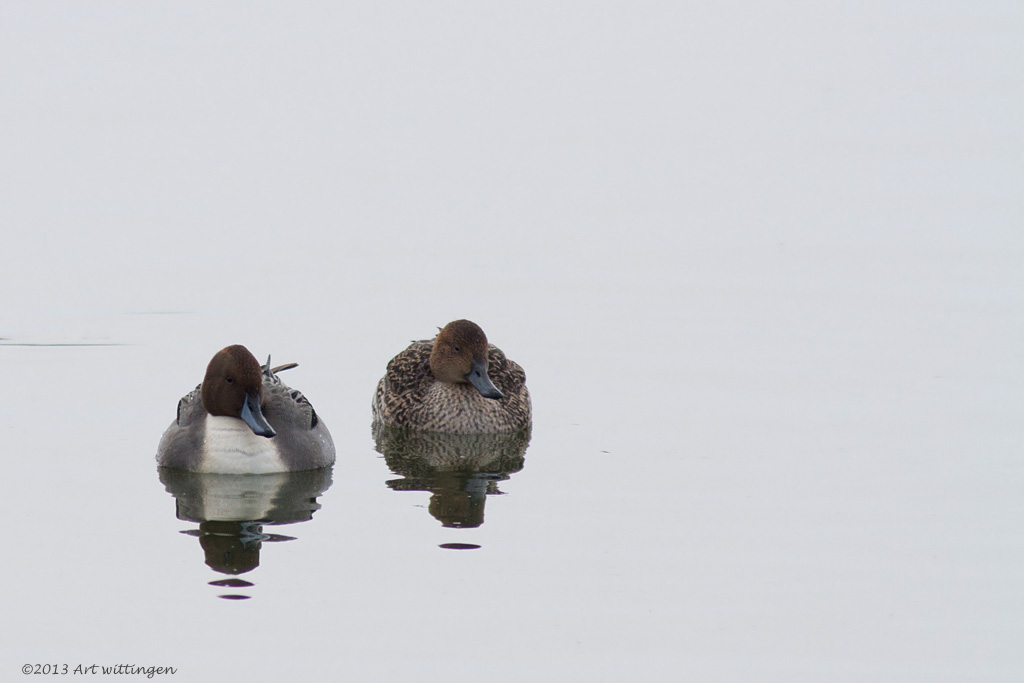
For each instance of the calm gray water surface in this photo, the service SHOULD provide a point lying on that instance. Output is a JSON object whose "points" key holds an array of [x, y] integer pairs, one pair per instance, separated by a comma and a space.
{"points": [[763, 268]]}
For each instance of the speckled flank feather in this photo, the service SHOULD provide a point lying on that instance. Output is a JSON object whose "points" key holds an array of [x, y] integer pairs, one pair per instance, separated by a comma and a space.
{"points": [[409, 396]]}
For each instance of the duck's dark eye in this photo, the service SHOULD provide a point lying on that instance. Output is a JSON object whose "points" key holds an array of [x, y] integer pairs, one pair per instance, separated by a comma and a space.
{"points": [[456, 349], [229, 379]]}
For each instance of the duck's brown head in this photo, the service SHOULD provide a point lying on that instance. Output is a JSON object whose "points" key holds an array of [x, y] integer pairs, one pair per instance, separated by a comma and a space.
{"points": [[233, 387], [460, 355]]}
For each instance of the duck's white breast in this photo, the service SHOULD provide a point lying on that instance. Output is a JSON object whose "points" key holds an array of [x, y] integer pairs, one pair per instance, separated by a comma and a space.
{"points": [[230, 447]]}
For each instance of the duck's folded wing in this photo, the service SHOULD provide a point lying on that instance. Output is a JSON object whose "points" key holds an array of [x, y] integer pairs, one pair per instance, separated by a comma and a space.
{"points": [[285, 405], [190, 407], [507, 374], [409, 371]]}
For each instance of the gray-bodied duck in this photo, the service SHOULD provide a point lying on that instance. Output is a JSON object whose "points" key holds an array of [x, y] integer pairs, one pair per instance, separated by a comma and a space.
{"points": [[455, 383], [243, 419]]}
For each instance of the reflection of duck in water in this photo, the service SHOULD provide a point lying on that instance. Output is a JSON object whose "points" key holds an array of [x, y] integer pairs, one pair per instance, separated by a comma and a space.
{"points": [[243, 419], [460, 470], [231, 510], [455, 383]]}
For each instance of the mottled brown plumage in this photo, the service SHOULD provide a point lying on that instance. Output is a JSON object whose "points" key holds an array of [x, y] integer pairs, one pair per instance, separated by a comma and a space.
{"points": [[412, 393]]}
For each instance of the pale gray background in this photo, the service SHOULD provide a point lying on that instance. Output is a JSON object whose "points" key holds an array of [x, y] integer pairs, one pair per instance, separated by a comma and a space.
{"points": [[761, 262]]}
